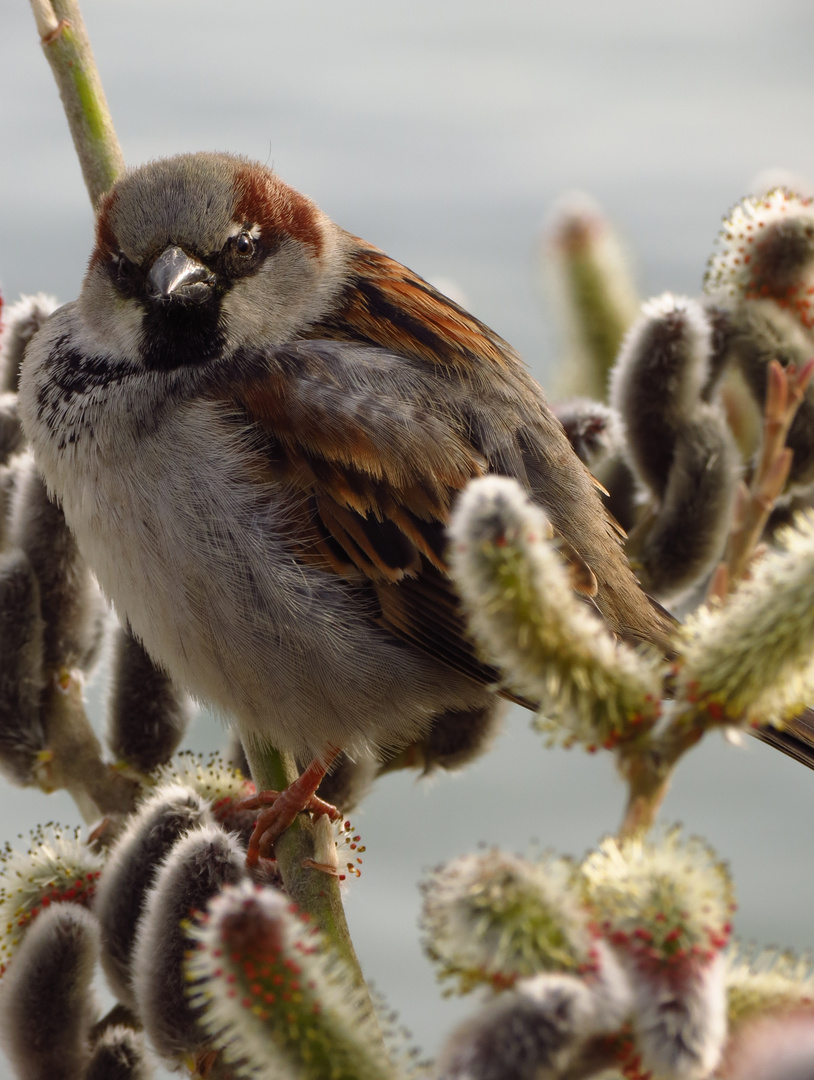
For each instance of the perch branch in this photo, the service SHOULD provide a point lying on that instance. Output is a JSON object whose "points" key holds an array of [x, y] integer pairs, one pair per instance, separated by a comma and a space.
{"points": [[313, 891]]}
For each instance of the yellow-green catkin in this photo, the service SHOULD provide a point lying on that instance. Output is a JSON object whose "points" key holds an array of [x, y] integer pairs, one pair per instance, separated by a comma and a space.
{"points": [[272, 998], [524, 612], [494, 918]]}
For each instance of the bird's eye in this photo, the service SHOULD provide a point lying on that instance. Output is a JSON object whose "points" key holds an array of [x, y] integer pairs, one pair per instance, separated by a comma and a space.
{"points": [[241, 255], [126, 274], [244, 244]]}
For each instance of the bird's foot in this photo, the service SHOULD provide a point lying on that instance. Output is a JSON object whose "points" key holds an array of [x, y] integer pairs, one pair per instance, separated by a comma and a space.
{"points": [[280, 809]]}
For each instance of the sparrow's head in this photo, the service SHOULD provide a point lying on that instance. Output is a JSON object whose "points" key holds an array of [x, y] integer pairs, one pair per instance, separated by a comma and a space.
{"points": [[201, 254]]}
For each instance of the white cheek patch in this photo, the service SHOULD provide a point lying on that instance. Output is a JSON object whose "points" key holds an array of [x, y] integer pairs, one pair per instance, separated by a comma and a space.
{"points": [[110, 322], [275, 304]]}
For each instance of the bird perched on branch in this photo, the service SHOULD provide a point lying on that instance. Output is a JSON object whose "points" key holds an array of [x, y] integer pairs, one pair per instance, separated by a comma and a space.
{"points": [[257, 424]]}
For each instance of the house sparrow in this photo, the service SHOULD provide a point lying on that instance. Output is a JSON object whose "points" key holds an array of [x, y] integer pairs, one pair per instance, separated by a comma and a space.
{"points": [[256, 424]]}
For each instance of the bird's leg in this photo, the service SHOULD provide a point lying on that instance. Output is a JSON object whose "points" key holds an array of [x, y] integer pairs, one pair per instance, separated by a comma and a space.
{"points": [[281, 807]]}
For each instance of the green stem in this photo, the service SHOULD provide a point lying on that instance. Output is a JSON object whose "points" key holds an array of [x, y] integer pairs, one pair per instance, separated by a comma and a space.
{"points": [[648, 779], [648, 764], [67, 49], [313, 891]]}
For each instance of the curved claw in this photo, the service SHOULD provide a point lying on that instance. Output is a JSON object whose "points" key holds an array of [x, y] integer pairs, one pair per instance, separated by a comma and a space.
{"points": [[281, 807]]}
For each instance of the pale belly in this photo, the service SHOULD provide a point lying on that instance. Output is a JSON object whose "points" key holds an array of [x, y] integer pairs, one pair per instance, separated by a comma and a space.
{"points": [[192, 555]]}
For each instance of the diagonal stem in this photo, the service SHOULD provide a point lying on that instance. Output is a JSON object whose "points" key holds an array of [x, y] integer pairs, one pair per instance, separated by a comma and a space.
{"points": [[314, 892], [67, 49]]}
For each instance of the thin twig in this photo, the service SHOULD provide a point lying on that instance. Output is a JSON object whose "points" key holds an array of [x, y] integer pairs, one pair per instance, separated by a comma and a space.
{"points": [[648, 764], [74, 760], [67, 49], [785, 391]]}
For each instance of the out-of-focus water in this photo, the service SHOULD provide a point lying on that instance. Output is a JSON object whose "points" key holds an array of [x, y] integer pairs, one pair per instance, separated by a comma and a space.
{"points": [[443, 131]]}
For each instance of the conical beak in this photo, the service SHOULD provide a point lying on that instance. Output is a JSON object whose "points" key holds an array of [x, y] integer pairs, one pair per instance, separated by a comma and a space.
{"points": [[177, 276]]}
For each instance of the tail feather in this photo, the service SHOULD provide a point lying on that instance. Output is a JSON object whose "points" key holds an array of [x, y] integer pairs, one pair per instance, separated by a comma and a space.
{"points": [[796, 739]]}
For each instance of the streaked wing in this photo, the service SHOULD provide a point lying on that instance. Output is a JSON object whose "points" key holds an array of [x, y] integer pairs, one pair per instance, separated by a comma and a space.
{"points": [[796, 739], [373, 452], [389, 305], [384, 303]]}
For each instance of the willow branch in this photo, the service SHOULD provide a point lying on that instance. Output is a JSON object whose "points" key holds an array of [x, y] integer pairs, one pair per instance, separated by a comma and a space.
{"points": [[785, 391], [67, 49], [647, 765], [313, 891], [73, 759]]}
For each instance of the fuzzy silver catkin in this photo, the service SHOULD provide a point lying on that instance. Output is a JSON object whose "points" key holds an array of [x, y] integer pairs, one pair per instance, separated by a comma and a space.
{"points": [[593, 429], [690, 532], [119, 1054], [766, 248], [46, 1000], [455, 738], [762, 981], [595, 433], [8, 479], [147, 714], [680, 1024], [22, 730], [70, 602], [593, 290], [222, 785], [58, 868], [21, 321], [196, 869], [460, 736], [660, 374], [665, 904], [533, 1033], [169, 813], [12, 439], [722, 327]]}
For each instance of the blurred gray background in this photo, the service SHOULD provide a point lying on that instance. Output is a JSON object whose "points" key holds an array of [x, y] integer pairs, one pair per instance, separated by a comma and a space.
{"points": [[442, 131]]}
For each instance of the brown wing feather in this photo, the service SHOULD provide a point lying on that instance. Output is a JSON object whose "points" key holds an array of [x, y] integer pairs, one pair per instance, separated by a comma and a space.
{"points": [[374, 444], [388, 305], [379, 515]]}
